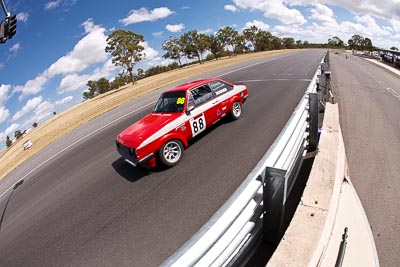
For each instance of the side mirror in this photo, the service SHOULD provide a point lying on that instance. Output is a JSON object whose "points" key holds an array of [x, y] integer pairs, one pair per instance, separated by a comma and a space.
{"points": [[189, 109]]}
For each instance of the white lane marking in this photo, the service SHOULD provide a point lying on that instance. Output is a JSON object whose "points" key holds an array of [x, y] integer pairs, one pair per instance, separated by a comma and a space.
{"points": [[267, 80], [387, 87], [251, 65], [77, 141]]}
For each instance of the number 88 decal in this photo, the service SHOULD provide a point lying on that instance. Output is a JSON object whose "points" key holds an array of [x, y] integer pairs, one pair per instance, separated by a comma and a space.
{"points": [[198, 125]]}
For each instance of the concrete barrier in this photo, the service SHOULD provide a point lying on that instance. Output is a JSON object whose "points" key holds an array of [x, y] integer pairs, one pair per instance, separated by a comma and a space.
{"points": [[306, 239]]}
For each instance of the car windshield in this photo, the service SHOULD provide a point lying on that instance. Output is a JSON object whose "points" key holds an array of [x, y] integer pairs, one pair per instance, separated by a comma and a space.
{"points": [[171, 102]]}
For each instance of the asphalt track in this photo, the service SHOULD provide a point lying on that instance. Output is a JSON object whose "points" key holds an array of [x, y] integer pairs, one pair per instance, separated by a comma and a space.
{"points": [[369, 105], [81, 205]]}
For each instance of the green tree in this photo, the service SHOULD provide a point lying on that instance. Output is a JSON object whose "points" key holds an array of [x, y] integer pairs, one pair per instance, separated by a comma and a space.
{"points": [[276, 43], [173, 49], [140, 73], [8, 141], [356, 42], [126, 49], [102, 85], [288, 42], [228, 36], [215, 45], [299, 43], [367, 44], [263, 41], [35, 124], [335, 42], [250, 35], [119, 81], [239, 45], [194, 44], [18, 134], [394, 48]]}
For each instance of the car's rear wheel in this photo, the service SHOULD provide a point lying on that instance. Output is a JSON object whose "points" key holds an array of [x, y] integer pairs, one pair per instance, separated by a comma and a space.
{"points": [[171, 153], [236, 110]]}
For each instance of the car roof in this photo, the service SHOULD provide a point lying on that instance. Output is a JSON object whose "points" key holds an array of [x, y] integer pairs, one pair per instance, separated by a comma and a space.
{"points": [[190, 85]]}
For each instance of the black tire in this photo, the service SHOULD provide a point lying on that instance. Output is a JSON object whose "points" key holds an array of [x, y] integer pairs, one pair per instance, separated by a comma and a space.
{"points": [[236, 110], [171, 153]]}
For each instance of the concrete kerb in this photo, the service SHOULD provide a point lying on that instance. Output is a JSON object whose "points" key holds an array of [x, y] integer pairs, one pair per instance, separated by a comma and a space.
{"points": [[307, 236]]}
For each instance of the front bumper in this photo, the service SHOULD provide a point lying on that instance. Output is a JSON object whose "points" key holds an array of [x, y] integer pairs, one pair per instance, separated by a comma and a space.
{"points": [[130, 156]]}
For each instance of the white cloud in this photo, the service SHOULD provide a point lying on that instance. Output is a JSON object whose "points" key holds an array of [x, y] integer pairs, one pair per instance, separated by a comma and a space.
{"points": [[43, 110], [158, 61], [73, 82], [14, 49], [396, 23], [148, 51], [286, 30], [274, 9], [22, 17], [231, 8], [52, 5], [371, 27], [143, 14], [4, 114], [322, 13], [4, 93], [175, 27], [64, 101], [9, 132], [30, 105], [157, 34], [206, 31], [383, 8], [89, 50], [31, 87], [259, 24]]}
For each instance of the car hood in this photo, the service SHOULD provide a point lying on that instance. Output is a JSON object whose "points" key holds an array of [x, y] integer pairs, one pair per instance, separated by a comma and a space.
{"points": [[138, 132]]}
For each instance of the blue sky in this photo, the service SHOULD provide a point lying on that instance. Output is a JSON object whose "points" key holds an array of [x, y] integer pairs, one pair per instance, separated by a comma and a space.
{"points": [[59, 44]]}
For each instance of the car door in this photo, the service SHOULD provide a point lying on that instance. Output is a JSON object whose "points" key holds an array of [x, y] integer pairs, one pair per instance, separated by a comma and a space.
{"points": [[205, 109], [220, 90]]}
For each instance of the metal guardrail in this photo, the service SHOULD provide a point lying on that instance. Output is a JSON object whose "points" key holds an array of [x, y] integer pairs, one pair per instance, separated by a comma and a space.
{"points": [[256, 208]]}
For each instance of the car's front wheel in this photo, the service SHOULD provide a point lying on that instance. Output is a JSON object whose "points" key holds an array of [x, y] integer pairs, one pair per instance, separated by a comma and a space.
{"points": [[236, 110], [171, 153]]}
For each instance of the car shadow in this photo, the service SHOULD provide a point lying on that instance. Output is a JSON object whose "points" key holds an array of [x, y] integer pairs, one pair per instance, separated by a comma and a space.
{"points": [[131, 173]]}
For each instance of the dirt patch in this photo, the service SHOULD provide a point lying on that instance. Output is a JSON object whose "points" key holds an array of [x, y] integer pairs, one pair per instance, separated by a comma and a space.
{"points": [[72, 118]]}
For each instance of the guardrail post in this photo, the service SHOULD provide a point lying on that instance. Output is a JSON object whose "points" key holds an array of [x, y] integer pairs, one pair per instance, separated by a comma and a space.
{"points": [[274, 199], [313, 130]]}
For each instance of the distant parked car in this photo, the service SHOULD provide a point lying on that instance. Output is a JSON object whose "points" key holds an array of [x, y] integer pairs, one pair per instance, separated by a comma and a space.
{"points": [[397, 60], [180, 114], [27, 144], [375, 54], [388, 57]]}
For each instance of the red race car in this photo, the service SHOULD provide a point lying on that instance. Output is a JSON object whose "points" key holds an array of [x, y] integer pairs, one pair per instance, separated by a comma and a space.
{"points": [[180, 114]]}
